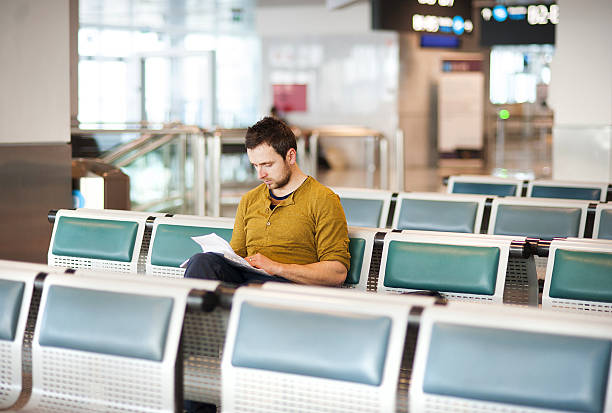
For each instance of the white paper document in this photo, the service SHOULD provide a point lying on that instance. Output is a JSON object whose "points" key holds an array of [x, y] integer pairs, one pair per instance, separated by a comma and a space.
{"points": [[216, 244]]}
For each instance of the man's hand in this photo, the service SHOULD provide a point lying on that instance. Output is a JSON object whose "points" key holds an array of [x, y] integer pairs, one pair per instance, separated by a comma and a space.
{"points": [[332, 273], [261, 261]]}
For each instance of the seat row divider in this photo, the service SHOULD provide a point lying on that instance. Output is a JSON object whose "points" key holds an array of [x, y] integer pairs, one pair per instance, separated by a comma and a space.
{"points": [[375, 262], [391, 212], [28, 337]]}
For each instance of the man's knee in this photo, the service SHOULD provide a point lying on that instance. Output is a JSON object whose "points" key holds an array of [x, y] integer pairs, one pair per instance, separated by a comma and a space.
{"points": [[201, 265]]}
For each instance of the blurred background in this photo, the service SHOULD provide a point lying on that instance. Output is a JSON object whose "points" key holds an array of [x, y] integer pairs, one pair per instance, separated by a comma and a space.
{"points": [[142, 104]]}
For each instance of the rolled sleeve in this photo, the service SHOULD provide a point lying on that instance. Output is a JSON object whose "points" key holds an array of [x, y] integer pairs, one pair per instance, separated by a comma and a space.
{"points": [[332, 231], [238, 241]]}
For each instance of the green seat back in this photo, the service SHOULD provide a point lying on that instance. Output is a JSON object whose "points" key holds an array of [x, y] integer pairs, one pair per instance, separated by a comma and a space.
{"points": [[433, 215], [544, 191], [362, 212], [338, 347], [172, 244], [605, 224], [357, 251], [520, 368], [537, 221], [484, 189], [120, 324], [11, 296], [103, 239], [437, 267], [582, 275]]}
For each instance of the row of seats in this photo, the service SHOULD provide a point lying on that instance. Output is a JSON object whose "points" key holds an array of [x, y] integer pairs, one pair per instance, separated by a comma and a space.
{"points": [[93, 341], [537, 188], [468, 266], [543, 218], [475, 267]]}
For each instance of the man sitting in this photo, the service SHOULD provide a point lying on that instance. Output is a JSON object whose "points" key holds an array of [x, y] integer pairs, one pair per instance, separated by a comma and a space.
{"points": [[290, 226]]}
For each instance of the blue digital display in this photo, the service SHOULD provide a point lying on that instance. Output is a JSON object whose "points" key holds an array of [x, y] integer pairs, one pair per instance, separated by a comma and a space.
{"points": [[439, 40]]}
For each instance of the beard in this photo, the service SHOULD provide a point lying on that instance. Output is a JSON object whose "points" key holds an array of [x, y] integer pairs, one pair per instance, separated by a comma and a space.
{"points": [[282, 181]]}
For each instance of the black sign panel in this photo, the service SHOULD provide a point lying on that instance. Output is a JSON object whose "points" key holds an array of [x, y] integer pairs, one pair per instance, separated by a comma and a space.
{"points": [[522, 24], [424, 16]]}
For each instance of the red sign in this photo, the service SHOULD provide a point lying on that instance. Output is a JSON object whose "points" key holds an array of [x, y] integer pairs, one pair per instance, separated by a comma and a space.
{"points": [[289, 98], [462, 65]]}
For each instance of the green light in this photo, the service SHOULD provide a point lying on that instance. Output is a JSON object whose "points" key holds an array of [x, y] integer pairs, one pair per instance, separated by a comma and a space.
{"points": [[504, 114]]}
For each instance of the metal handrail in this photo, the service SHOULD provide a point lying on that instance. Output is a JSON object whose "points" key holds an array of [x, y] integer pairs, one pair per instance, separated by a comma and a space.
{"points": [[172, 129], [145, 149], [344, 131], [347, 131], [152, 139], [214, 149]]}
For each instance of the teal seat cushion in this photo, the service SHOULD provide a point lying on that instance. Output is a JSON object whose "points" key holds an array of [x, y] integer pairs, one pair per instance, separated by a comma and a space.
{"points": [[357, 251], [582, 275], [605, 224], [484, 189], [11, 296], [172, 244], [340, 347], [537, 222], [430, 215], [543, 191], [120, 324], [95, 238], [362, 212], [519, 368], [437, 267]]}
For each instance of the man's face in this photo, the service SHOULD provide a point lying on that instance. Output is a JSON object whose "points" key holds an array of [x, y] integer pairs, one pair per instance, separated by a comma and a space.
{"points": [[272, 169]]}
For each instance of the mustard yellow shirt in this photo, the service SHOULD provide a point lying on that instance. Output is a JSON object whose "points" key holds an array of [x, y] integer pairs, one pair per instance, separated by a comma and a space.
{"points": [[309, 226]]}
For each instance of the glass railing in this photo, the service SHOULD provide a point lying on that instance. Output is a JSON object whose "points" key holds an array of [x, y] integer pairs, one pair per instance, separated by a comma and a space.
{"points": [[166, 166], [188, 170]]}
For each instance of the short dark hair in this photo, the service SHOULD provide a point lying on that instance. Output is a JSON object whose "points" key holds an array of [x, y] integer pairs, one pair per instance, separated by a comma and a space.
{"points": [[273, 132]]}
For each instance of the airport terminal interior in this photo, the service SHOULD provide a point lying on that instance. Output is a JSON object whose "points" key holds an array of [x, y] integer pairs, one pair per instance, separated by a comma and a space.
{"points": [[469, 143]]}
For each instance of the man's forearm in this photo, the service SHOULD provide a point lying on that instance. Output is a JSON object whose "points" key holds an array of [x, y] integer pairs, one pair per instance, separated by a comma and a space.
{"points": [[331, 273]]}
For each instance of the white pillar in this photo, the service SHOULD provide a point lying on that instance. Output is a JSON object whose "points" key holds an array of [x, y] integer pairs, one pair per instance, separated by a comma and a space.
{"points": [[581, 92], [34, 51]]}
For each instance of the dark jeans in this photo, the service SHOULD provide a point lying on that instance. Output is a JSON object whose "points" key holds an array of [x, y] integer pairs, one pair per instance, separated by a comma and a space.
{"points": [[210, 266]]}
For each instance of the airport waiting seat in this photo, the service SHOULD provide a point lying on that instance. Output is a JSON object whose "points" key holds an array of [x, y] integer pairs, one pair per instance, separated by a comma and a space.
{"points": [[593, 191], [171, 242], [107, 344], [458, 267], [508, 359], [302, 352], [521, 283], [439, 212], [16, 292], [602, 227], [361, 245], [541, 218], [484, 185], [204, 332], [365, 207], [416, 302], [108, 240], [579, 277]]}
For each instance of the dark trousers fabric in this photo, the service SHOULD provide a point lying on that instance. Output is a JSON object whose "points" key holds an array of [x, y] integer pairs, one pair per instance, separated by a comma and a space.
{"points": [[211, 266]]}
